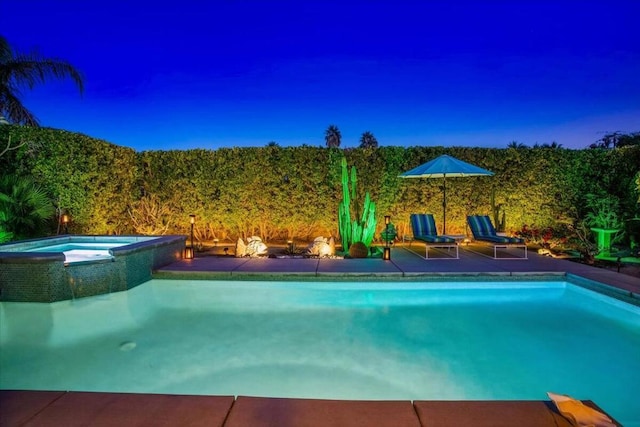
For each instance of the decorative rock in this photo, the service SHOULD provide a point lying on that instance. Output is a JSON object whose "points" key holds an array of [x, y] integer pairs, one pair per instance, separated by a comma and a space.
{"points": [[255, 247], [544, 251], [321, 248]]}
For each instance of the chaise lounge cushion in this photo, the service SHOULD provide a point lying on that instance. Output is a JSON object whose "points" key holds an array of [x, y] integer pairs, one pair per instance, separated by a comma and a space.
{"points": [[424, 229], [482, 229]]}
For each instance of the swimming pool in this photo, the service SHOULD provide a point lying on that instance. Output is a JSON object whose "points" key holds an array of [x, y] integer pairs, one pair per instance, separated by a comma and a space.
{"points": [[380, 340]]}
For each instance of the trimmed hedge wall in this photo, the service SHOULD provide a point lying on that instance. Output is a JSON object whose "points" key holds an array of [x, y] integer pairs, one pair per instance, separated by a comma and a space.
{"points": [[293, 192]]}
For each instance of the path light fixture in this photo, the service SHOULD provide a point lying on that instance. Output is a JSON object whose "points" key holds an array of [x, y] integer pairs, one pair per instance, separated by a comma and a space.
{"points": [[65, 223], [188, 252], [192, 220], [386, 254]]}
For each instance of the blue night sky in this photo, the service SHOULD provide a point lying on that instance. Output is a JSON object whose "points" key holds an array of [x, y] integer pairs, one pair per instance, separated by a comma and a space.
{"points": [[209, 74]]}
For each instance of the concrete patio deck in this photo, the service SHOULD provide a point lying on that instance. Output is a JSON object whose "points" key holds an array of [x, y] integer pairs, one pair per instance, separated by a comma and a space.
{"points": [[406, 264]]}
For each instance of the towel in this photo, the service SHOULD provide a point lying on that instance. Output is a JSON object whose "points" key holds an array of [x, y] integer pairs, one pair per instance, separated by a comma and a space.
{"points": [[578, 413]]}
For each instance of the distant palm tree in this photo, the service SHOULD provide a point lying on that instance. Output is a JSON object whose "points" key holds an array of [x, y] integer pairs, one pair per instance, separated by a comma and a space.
{"points": [[553, 145], [616, 140], [19, 70], [367, 140], [332, 136], [516, 144]]}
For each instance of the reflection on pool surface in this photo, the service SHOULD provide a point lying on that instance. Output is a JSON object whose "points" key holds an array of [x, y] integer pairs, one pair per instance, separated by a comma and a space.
{"points": [[332, 340]]}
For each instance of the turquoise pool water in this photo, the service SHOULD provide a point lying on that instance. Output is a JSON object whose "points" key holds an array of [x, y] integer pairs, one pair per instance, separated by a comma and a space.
{"points": [[473, 340], [80, 252], [65, 247]]}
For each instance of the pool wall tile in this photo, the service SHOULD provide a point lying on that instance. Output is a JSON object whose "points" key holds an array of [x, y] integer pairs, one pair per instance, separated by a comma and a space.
{"points": [[44, 277]]}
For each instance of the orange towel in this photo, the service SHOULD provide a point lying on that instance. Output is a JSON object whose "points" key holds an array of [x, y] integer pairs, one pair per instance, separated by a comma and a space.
{"points": [[578, 413]]}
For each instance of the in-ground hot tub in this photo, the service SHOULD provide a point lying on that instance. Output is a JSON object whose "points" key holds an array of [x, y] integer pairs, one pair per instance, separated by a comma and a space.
{"points": [[66, 267]]}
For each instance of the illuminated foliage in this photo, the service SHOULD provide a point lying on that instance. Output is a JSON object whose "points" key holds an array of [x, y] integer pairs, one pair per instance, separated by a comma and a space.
{"points": [[150, 216], [294, 192], [5, 235], [25, 208]]}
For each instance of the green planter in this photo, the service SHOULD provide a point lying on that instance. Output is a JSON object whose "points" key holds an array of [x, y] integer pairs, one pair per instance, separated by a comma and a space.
{"points": [[603, 236]]}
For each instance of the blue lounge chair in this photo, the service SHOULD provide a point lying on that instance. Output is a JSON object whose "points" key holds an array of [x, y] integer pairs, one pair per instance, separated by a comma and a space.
{"points": [[484, 231], [424, 230]]}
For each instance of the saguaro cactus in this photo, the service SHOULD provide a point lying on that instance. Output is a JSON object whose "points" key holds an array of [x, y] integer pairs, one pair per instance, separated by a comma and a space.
{"points": [[359, 229]]}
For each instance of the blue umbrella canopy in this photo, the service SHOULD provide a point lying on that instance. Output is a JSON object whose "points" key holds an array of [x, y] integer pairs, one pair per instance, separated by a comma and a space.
{"points": [[443, 167]]}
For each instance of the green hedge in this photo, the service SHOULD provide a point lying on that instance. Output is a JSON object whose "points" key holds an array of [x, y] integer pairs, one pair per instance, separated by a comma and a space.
{"points": [[293, 192]]}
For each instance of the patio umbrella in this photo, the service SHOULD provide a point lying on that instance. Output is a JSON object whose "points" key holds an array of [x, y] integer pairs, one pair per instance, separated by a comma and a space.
{"points": [[443, 167]]}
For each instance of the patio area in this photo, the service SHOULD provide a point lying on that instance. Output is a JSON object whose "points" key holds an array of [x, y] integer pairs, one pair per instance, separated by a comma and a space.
{"points": [[406, 264]]}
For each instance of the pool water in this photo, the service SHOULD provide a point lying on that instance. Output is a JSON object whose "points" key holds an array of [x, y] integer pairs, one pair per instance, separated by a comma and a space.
{"points": [[65, 247], [437, 341], [77, 252]]}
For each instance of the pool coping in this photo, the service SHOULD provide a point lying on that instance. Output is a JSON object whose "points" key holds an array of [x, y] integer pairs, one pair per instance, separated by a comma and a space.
{"points": [[69, 408], [406, 265]]}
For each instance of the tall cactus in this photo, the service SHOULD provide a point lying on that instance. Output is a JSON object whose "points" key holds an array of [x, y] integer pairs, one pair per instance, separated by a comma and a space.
{"points": [[496, 208], [359, 229]]}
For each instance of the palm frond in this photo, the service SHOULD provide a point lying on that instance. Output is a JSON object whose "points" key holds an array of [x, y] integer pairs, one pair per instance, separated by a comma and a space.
{"points": [[18, 70]]}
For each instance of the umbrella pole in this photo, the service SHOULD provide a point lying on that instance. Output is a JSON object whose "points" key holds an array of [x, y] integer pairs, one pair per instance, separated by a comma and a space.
{"points": [[444, 206]]}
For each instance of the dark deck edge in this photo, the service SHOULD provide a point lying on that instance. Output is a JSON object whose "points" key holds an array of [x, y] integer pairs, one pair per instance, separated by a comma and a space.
{"points": [[134, 408]]}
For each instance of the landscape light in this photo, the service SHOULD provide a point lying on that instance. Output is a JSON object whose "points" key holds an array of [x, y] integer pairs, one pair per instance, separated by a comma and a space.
{"points": [[192, 220], [386, 254], [65, 223]]}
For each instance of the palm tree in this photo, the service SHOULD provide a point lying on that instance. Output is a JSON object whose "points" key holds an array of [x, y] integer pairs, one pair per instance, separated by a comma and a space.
{"points": [[367, 140], [516, 144], [332, 136], [554, 145], [5, 235], [18, 70], [24, 207]]}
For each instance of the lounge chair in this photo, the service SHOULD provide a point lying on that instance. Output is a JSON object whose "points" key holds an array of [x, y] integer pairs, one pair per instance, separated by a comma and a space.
{"points": [[424, 230], [484, 231]]}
